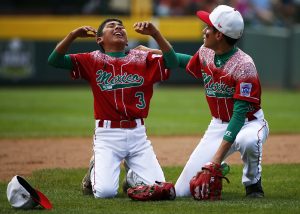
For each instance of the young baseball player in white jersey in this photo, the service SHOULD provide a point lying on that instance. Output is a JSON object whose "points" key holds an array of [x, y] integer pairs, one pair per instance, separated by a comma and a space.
{"points": [[122, 86], [233, 93]]}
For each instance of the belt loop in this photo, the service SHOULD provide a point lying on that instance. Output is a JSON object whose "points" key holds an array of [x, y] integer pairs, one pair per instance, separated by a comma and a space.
{"points": [[139, 122], [107, 123], [97, 123]]}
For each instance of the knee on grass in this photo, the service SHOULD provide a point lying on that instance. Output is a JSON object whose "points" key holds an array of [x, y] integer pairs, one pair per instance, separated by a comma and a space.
{"points": [[105, 192]]}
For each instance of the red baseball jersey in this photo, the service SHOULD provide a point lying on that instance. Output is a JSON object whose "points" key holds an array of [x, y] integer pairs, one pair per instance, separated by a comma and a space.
{"points": [[122, 87], [237, 79]]}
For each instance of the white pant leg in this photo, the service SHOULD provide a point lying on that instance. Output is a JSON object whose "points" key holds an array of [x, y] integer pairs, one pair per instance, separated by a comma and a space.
{"points": [[249, 142], [142, 161], [109, 150], [203, 153]]}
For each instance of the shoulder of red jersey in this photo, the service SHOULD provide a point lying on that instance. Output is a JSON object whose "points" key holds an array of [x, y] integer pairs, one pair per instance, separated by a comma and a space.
{"points": [[86, 55], [245, 58], [245, 67], [139, 53], [96, 54], [205, 52], [140, 56]]}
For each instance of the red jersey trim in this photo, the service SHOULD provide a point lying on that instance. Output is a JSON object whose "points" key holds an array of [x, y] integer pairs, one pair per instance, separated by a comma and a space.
{"points": [[249, 99], [124, 106], [75, 73]]}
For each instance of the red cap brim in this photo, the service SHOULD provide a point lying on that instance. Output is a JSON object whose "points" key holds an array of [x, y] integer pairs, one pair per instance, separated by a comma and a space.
{"points": [[42, 200], [204, 16]]}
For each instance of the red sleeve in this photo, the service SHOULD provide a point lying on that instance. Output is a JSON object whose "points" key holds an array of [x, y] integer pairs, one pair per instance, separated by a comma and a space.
{"points": [[81, 64], [194, 66], [247, 84], [158, 71]]}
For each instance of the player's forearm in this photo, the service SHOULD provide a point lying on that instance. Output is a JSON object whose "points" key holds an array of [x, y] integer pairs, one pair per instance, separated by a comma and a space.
{"points": [[236, 123], [221, 152], [237, 120], [63, 46], [168, 52], [163, 44], [183, 59], [60, 60], [170, 59]]}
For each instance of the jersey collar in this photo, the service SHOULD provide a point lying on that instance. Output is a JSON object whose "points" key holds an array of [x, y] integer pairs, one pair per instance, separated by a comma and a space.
{"points": [[116, 54], [220, 60]]}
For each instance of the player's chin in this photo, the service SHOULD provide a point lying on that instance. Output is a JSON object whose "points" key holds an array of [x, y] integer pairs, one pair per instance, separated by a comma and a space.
{"points": [[206, 44], [121, 39], [120, 43]]}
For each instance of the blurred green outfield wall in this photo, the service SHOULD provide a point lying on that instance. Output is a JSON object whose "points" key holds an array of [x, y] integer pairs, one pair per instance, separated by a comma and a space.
{"points": [[274, 50], [295, 46], [276, 54], [32, 68]]}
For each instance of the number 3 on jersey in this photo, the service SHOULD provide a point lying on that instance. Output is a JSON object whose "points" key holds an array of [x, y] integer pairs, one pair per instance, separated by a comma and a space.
{"points": [[142, 103]]}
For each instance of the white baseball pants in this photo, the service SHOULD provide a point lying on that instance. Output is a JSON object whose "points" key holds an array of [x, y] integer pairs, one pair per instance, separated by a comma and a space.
{"points": [[111, 146], [248, 142]]}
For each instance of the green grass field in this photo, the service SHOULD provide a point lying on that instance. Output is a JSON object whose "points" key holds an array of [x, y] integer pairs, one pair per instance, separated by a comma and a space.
{"points": [[68, 112], [63, 189]]}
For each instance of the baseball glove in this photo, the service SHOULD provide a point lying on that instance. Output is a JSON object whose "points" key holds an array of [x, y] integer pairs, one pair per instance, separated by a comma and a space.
{"points": [[157, 191], [207, 184]]}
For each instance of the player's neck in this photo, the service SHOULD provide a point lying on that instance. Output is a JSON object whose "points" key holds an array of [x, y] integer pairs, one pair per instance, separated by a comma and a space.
{"points": [[114, 48], [223, 48], [232, 49]]}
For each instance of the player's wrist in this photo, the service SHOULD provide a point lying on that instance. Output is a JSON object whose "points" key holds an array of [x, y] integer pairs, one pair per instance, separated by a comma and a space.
{"points": [[72, 35], [212, 164], [155, 34]]}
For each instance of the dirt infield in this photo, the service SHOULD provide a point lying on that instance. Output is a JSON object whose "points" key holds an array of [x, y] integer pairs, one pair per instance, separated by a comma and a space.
{"points": [[21, 156]]}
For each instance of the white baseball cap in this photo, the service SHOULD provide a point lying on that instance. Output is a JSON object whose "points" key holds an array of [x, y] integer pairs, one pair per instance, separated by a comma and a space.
{"points": [[225, 19], [21, 195]]}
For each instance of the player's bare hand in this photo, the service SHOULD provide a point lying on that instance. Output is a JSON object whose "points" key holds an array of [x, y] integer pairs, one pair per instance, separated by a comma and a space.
{"points": [[146, 28], [84, 31]]}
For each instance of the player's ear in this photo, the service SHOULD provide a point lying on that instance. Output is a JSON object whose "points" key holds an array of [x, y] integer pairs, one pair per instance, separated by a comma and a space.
{"points": [[99, 40], [219, 35]]}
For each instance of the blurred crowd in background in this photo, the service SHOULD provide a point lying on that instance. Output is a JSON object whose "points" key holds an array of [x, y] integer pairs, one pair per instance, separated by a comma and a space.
{"points": [[255, 12]]}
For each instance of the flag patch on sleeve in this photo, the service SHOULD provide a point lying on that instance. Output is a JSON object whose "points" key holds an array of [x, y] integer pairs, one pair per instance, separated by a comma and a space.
{"points": [[245, 89]]}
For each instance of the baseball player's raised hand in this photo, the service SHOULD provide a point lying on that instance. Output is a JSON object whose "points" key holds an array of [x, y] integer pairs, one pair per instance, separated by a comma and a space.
{"points": [[84, 31], [146, 28]]}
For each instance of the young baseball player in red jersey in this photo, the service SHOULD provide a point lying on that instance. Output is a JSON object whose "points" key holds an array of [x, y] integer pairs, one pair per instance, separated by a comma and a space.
{"points": [[233, 93], [122, 86]]}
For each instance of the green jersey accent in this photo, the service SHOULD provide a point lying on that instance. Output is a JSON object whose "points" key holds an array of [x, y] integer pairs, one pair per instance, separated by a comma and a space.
{"points": [[220, 60], [216, 89], [116, 54], [237, 120], [60, 60], [142, 102]]}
